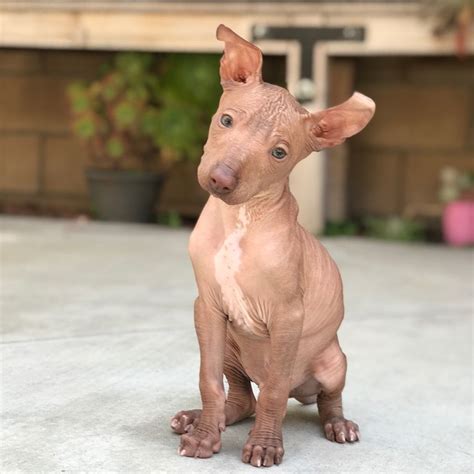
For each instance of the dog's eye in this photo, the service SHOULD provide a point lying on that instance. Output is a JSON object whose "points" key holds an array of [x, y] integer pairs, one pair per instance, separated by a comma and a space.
{"points": [[279, 153], [226, 120]]}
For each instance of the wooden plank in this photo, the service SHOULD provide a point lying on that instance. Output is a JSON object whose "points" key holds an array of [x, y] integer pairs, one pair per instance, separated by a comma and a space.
{"points": [[169, 27]]}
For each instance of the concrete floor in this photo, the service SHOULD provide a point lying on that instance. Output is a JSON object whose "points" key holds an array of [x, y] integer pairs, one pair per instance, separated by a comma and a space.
{"points": [[99, 352]]}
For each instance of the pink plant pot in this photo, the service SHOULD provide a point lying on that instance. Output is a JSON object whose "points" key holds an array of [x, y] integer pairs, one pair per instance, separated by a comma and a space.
{"points": [[458, 223]]}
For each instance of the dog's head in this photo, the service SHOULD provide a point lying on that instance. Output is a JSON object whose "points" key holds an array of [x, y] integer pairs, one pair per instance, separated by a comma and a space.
{"points": [[260, 132]]}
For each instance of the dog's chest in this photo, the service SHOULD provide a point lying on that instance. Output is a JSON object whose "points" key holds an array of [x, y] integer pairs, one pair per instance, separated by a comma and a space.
{"points": [[227, 264]]}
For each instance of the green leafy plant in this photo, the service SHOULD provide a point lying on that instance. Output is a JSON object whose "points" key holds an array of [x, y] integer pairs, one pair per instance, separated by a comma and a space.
{"points": [[394, 228], [108, 113], [190, 90], [171, 218], [455, 184], [344, 227], [144, 113]]}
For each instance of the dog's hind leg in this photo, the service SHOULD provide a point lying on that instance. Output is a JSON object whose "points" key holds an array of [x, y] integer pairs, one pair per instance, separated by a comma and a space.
{"points": [[307, 393], [240, 403], [330, 371]]}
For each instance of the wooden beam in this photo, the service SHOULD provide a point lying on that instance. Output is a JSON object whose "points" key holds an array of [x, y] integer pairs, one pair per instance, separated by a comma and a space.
{"points": [[168, 26]]}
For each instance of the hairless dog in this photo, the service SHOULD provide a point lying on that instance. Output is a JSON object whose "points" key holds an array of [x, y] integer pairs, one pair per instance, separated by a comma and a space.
{"points": [[270, 296]]}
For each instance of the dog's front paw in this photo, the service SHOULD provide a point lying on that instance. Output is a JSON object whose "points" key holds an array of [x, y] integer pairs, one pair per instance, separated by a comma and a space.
{"points": [[341, 430], [200, 444], [262, 452], [185, 421]]}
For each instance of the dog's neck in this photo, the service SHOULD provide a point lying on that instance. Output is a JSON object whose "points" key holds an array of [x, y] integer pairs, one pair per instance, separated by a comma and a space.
{"points": [[274, 203]]}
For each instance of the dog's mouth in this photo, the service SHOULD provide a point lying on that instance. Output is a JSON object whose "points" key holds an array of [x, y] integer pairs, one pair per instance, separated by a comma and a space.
{"points": [[230, 198], [226, 196]]}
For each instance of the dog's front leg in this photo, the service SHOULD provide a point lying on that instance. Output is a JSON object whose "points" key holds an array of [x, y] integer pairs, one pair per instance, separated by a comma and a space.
{"points": [[265, 443], [211, 326]]}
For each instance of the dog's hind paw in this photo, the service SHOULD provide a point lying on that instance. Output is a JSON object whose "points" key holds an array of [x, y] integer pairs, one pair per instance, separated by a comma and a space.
{"points": [[341, 430]]}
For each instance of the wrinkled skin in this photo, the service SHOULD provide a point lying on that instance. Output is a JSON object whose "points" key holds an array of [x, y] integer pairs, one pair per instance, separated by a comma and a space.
{"points": [[270, 296]]}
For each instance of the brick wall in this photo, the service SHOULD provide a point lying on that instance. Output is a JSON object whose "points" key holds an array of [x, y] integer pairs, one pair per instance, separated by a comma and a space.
{"points": [[41, 164], [424, 121]]}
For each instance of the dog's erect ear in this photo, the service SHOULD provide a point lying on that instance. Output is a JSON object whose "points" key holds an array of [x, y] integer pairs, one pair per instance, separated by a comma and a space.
{"points": [[241, 62], [332, 126]]}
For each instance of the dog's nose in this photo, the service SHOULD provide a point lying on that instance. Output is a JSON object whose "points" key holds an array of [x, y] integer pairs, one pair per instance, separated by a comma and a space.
{"points": [[222, 179]]}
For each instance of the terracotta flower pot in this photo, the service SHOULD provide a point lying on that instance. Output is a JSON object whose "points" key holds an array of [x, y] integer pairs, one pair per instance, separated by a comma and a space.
{"points": [[458, 223]]}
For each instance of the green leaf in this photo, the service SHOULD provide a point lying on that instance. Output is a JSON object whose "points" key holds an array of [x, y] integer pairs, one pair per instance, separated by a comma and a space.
{"points": [[81, 104], [84, 127], [171, 218], [125, 114], [133, 65], [174, 219], [115, 147], [112, 86], [150, 122], [78, 97], [138, 93], [76, 89]]}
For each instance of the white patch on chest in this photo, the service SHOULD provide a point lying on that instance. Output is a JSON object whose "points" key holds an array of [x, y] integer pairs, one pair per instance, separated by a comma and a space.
{"points": [[227, 263]]}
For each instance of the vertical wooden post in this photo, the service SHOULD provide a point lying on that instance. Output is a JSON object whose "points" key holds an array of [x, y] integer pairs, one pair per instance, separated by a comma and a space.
{"points": [[307, 181]]}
